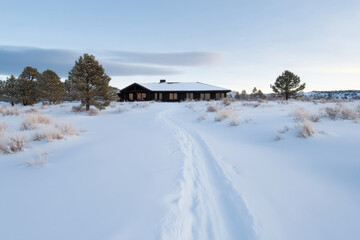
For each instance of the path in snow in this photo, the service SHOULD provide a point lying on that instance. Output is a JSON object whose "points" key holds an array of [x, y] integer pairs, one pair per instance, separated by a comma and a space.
{"points": [[206, 206]]}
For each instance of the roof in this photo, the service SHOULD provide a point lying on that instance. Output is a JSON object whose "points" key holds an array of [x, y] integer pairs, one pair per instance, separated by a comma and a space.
{"points": [[181, 86]]}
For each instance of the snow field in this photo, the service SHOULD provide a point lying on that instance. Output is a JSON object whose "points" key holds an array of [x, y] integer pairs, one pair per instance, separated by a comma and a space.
{"points": [[174, 171]]}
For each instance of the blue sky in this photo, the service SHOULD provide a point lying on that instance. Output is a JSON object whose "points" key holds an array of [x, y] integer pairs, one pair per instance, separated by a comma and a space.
{"points": [[235, 44]]}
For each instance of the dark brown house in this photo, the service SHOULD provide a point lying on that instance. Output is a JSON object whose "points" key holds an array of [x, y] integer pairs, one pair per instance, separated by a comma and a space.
{"points": [[171, 91]]}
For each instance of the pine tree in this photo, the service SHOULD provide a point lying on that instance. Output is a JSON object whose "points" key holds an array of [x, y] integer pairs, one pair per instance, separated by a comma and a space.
{"points": [[287, 85], [261, 95], [89, 83], [253, 94], [51, 89], [11, 90], [28, 86]]}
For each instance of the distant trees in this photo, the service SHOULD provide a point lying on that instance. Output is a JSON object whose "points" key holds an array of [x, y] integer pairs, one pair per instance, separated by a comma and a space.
{"points": [[50, 88], [287, 85], [10, 90], [89, 83], [27, 86]]}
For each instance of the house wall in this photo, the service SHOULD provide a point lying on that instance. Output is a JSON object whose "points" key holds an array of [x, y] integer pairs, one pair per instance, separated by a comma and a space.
{"points": [[181, 95]]}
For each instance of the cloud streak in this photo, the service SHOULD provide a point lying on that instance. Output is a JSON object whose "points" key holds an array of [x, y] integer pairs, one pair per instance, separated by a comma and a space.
{"points": [[116, 63]]}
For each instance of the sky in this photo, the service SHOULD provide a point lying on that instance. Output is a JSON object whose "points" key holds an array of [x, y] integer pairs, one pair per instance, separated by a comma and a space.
{"points": [[237, 44]]}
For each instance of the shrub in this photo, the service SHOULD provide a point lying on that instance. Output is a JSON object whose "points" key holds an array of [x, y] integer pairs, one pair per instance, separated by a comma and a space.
{"points": [[93, 112], [278, 138], [32, 121], [234, 119], [42, 162], [332, 112], [211, 108], [226, 101], [68, 129], [348, 113], [9, 111], [12, 144], [221, 115], [305, 130], [77, 109], [202, 117]]}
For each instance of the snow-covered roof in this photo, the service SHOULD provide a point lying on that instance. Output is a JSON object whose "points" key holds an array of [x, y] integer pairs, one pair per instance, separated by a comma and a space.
{"points": [[181, 86]]}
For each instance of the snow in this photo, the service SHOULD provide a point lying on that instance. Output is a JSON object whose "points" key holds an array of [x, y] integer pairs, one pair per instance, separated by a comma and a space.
{"points": [[181, 86], [153, 171]]}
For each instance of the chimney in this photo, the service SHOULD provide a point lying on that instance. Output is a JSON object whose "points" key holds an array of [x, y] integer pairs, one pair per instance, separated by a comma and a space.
{"points": [[162, 81]]}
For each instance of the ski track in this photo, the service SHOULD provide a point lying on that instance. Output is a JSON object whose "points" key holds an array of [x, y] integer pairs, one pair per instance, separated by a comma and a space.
{"points": [[206, 206]]}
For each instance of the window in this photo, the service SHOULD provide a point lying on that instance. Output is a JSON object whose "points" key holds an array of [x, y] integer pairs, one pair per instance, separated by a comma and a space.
{"points": [[207, 96], [202, 96], [189, 95], [218, 96], [155, 96], [131, 96], [141, 96], [222, 95], [172, 96], [160, 96]]}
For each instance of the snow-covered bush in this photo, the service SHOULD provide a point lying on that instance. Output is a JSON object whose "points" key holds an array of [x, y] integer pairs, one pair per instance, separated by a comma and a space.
{"points": [[93, 112], [202, 117], [31, 110], [9, 111], [211, 108], [284, 130], [121, 109], [234, 119], [33, 120], [305, 129], [332, 112], [348, 113], [278, 138], [301, 114], [226, 101], [12, 144], [221, 115]]}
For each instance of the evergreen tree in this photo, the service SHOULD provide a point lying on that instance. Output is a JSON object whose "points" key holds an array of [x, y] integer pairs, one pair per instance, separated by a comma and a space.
{"points": [[89, 83], [287, 85], [2, 86], [253, 94], [11, 90], [260, 94], [27, 87], [51, 89]]}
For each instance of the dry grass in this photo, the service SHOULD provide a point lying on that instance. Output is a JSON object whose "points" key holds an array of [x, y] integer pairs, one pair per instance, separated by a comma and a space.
{"points": [[301, 114], [3, 127], [12, 144], [141, 105], [57, 132], [305, 129], [234, 119], [9, 111], [33, 120], [93, 112], [42, 160], [341, 111]]}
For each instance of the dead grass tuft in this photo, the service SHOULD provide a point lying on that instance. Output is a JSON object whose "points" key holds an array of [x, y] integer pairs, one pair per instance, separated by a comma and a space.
{"points": [[33, 120], [305, 129], [77, 109], [93, 112], [3, 127], [9, 111], [12, 144]]}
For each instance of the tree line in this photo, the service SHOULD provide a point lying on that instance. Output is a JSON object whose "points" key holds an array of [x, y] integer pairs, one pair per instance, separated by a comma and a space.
{"points": [[87, 82]]}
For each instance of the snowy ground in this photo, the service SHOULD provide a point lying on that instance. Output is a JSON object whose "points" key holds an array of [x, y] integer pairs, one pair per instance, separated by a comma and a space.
{"points": [[170, 171]]}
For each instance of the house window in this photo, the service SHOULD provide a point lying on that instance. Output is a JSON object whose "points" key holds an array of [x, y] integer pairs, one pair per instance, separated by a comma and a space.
{"points": [[141, 96], [155, 96], [218, 96], [222, 95], [172, 96], [131, 96], [189, 95], [207, 96], [160, 96], [202, 96]]}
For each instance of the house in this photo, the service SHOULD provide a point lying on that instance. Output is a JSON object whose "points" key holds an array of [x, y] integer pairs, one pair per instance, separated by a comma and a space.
{"points": [[171, 91]]}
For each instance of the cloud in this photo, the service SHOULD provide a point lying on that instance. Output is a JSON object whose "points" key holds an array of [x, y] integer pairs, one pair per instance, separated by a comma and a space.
{"points": [[185, 59], [116, 63]]}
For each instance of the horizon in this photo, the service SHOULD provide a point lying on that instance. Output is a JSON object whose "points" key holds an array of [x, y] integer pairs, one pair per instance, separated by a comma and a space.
{"points": [[234, 44]]}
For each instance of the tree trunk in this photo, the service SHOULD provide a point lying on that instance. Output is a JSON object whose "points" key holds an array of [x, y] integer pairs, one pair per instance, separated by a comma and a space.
{"points": [[87, 104], [12, 104]]}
